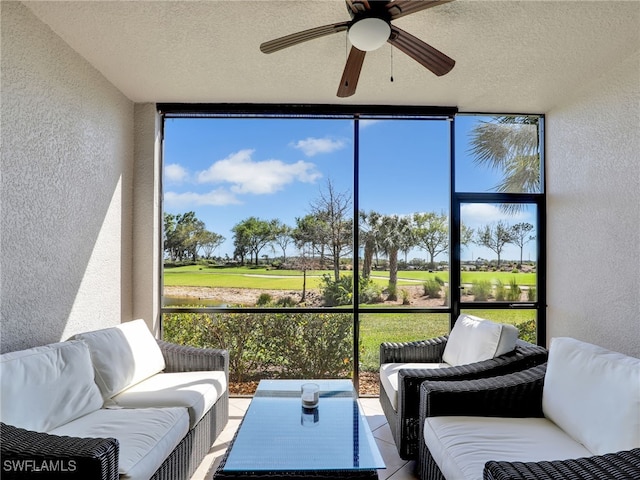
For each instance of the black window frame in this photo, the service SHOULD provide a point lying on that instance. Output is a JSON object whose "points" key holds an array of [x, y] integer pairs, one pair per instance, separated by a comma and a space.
{"points": [[364, 112]]}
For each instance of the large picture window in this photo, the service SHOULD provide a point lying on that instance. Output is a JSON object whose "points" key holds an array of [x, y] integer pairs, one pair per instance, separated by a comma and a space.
{"points": [[301, 241]]}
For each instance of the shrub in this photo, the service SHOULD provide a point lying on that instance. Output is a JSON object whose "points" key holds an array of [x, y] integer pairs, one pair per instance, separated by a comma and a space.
{"points": [[500, 293], [527, 330], [264, 299], [513, 295], [481, 290], [531, 294], [338, 292], [370, 292], [405, 296], [267, 345], [286, 302], [432, 288]]}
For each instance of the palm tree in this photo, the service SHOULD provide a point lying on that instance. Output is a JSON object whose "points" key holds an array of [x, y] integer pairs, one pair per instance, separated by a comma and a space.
{"points": [[395, 234], [369, 233], [510, 144]]}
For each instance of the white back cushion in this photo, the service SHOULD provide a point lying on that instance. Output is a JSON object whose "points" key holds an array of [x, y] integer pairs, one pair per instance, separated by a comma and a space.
{"points": [[594, 395], [44, 387], [474, 339], [123, 356]]}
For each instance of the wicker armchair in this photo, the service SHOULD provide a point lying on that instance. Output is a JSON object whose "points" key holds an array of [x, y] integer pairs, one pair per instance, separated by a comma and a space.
{"points": [[25, 452], [404, 421], [515, 395]]}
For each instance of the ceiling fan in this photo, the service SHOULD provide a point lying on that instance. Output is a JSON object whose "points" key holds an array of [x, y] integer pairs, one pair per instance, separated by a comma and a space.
{"points": [[369, 28]]}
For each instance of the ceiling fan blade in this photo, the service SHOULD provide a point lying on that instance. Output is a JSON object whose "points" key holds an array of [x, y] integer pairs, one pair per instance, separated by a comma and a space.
{"points": [[400, 8], [421, 52], [306, 35], [351, 73]]}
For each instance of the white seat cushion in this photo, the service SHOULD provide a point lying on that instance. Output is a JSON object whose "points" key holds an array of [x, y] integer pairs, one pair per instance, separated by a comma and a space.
{"points": [[474, 339], [123, 356], [462, 445], [389, 377], [44, 387], [197, 391], [594, 395], [147, 436]]}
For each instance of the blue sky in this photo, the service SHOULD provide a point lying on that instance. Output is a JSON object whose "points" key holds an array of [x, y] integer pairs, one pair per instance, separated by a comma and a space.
{"points": [[227, 170]]}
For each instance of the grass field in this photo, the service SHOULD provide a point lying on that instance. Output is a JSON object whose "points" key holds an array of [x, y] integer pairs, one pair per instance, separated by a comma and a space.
{"points": [[264, 278]]}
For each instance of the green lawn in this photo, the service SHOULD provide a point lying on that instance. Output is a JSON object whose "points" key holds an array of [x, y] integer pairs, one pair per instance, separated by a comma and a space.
{"points": [[270, 279]]}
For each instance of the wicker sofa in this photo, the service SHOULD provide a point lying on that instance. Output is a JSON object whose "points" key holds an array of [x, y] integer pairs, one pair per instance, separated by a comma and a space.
{"points": [[576, 417], [111, 404], [475, 348]]}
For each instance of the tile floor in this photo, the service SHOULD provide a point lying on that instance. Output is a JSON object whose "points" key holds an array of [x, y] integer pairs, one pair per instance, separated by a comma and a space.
{"points": [[397, 469]]}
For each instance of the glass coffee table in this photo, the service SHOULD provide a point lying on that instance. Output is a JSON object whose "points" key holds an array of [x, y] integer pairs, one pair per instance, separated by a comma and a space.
{"points": [[278, 438]]}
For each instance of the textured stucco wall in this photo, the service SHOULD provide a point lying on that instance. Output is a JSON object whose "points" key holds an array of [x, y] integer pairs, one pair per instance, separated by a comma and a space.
{"points": [[593, 185], [66, 189]]}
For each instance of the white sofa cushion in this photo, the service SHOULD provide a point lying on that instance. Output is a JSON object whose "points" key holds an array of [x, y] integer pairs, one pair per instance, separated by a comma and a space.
{"points": [[389, 377], [594, 395], [44, 387], [146, 435], [197, 391], [123, 356], [474, 339], [462, 445]]}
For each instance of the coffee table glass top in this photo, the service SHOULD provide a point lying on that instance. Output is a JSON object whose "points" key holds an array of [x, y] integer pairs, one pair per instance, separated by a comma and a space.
{"points": [[277, 433]]}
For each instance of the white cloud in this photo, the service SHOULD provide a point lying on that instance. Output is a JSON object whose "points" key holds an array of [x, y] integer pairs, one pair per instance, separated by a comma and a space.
{"points": [[313, 146], [257, 177], [217, 197], [175, 173], [368, 122]]}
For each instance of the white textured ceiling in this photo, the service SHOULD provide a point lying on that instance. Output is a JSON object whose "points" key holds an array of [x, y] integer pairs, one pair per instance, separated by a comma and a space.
{"points": [[511, 56]]}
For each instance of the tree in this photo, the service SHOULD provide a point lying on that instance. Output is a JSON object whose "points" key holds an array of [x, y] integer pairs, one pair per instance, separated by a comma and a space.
{"points": [[520, 233], [510, 144], [209, 241], [395, 234], [431, 233], [369, 236], [332, 212], [494, 236], [182, 235], [251, 235], [282, 237]]}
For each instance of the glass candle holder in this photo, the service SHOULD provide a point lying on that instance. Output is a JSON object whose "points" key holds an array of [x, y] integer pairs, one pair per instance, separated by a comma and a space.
{"points": [[310, 395]]}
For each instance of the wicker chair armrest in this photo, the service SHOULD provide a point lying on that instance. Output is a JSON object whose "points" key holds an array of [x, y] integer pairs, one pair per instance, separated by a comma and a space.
{"points": [[525, 355], [614, 466], [27, 454], [425, 351], [516, 394], [182, 358]]}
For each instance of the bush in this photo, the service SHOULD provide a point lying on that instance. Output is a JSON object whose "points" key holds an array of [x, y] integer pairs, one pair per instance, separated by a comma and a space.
{"points": [[338, 292], [513, 295], [286, 302], [500, 293], [531, 294], [370, 292], [527, 330], [405, 296], [270, 345], [432, 288], [264, 299], [481, 290]]}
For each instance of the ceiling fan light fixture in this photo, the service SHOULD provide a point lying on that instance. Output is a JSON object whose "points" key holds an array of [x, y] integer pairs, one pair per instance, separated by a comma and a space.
{"points": [[369, 34]]}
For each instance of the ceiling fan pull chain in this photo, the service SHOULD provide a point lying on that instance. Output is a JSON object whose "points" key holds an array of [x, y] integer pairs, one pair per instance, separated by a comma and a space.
{"points": [[391, 63]]}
